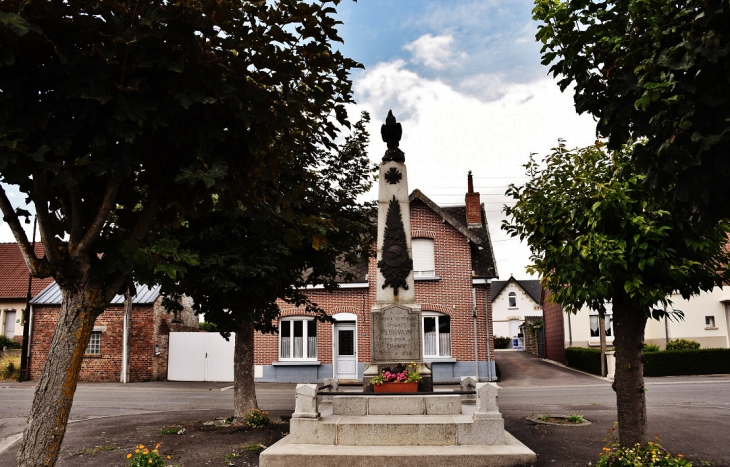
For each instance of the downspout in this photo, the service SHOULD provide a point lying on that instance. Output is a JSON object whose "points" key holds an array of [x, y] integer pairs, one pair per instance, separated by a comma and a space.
{"points": [[124, 378], [570, 331], [489, 341], [476, 339]]}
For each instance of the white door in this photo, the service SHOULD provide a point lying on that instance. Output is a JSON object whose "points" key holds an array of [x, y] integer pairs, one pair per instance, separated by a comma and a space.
{"points": [[219, 357], [345, 351], [200, 356], [9, 324]]}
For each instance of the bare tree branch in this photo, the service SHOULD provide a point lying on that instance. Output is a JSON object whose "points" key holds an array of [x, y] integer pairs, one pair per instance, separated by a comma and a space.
{"points": [[37, 267], [45, 219], [102, 215], [76, 215]]}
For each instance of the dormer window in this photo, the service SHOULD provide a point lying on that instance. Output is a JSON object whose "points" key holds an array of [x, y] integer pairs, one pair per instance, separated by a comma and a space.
{"points": [[424, 265]]}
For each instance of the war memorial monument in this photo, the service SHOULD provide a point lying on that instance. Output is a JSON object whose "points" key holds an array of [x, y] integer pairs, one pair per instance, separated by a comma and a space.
{"points": [[331, 427]]}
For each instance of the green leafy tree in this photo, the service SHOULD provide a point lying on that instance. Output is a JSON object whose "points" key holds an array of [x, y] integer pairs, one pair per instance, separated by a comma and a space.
{"points": [[656, 69], [117, 117], [252, 256], [597, 234]]}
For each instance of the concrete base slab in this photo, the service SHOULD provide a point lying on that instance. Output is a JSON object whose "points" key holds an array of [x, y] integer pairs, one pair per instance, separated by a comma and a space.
{"points": [[510, 454]]}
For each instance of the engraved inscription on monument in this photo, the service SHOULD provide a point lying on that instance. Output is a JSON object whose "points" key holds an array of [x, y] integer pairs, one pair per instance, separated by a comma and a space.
{"points": [[398, 329]]}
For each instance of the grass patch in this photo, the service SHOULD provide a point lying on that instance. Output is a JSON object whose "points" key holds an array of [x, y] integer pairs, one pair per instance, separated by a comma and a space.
{"points": [[574, 418], [253, 447], [9, 368], [97, 449], [170, 430]]}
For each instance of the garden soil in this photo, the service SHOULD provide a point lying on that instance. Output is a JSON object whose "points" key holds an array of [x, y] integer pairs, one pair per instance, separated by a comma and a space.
{"points": [[105, 442]]}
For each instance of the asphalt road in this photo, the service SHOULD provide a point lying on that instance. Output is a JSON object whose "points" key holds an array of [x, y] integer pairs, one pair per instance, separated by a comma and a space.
{"points": [[691, 414]]}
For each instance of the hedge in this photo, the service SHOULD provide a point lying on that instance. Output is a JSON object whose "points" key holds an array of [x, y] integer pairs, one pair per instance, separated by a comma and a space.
{"points": [[584, 359], [664, 363], [687, 362]]}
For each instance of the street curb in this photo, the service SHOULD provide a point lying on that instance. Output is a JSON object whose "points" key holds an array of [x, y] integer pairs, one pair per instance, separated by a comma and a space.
{"points": [[8, 441]]}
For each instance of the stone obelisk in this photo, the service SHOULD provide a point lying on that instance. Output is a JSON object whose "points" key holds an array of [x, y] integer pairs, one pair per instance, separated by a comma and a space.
{"points": [[396, 317]]}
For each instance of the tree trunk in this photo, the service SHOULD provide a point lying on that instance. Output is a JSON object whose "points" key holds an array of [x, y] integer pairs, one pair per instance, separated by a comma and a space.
{"points": [[629, 323], [57, 384], [244, 393]]}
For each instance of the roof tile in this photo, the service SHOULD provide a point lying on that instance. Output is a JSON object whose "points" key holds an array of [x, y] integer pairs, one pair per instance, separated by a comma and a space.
{"points": [[14, 273]]}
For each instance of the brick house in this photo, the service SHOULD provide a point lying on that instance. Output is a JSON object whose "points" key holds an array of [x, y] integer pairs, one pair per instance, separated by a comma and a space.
{"points": [[14, 277], [148, 335], [453, 267]]}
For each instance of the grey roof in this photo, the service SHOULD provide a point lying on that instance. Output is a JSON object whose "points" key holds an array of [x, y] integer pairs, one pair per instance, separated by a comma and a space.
{"points": [[482, 254], [531, 287], [51, 295]]}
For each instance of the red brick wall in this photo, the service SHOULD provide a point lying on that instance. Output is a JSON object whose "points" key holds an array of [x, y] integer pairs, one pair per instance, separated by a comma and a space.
{"points": [[150, 325], [554, 329], [450, 295]]}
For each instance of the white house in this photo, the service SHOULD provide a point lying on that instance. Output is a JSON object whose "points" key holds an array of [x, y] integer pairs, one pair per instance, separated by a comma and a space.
{"points": [[706, 320], [512, 300]]}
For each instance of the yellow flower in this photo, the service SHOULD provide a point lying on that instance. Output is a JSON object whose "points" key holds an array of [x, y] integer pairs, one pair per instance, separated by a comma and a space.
{"points": [[149, 461], [157, 446], [128, 456], [155, 451], [168, 457], [141, 446], [680, 455], [136, 451]]}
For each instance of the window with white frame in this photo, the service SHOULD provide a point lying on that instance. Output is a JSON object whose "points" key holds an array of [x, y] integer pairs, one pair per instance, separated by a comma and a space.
{"points": [[424, 264], [512, 297], [709, 321], [94, 347], [436, 334], [297, 338], [595, 328]]}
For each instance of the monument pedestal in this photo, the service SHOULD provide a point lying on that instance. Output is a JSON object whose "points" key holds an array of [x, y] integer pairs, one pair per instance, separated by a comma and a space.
{"points": [[374, 369], [357, 430], [398, 327]]}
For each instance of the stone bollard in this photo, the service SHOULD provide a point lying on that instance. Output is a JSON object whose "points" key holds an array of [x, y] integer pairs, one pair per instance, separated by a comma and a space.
{"points": [[468, 383], [486, 401], [306, 401], [333, 384], [488, 425], [610, 364]]}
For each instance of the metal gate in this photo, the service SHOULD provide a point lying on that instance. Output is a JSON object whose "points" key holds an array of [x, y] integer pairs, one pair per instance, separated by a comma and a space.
{"points": [[200, 356]]}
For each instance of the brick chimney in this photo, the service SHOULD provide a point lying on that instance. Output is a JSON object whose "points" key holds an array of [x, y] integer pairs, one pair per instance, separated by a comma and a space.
{"points": [[473, 206]]}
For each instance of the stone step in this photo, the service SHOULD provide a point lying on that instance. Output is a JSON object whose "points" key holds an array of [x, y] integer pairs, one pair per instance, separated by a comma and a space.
{"points": [[397, 405], [512, 453], [397, 430]]}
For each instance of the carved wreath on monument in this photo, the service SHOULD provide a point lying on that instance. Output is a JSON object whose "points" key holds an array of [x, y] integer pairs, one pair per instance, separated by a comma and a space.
{"points": [[396, 264]]}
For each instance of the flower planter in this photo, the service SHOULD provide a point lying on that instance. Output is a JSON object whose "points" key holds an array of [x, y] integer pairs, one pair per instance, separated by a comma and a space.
{"points": [[396, 387]]}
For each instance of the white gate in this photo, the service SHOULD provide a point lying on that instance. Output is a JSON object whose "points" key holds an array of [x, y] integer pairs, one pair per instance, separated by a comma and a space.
{"points": [[200, 356]]}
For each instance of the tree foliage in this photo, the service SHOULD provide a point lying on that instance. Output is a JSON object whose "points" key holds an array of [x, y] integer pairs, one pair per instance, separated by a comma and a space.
{"points": [[250, 256], [116, 117], [598, 234], [654, 69]]}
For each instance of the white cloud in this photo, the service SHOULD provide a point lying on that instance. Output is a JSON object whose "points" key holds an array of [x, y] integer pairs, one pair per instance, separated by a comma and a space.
{"points": [[436, 52], [447, 132]]}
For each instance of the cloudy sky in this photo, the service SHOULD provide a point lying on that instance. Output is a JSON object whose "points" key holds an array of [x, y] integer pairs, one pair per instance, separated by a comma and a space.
{"points": [[464, 79]]}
